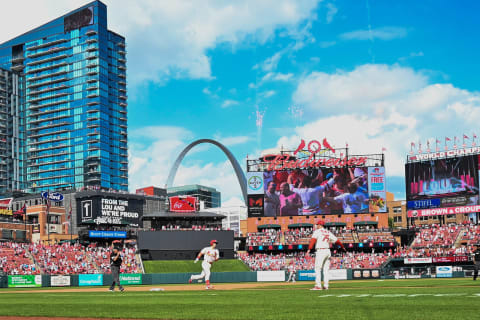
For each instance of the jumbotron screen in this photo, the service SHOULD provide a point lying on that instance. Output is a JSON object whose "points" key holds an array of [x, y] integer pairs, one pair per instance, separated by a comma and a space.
{"points": [[442, 183], [316, 191]]}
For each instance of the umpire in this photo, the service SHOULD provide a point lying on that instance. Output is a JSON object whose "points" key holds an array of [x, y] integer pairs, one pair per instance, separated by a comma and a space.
{"points": [[476, 261], [115, 263]]}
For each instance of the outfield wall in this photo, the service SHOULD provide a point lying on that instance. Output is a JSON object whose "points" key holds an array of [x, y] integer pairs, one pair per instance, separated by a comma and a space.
{"points": [[88, 280]]}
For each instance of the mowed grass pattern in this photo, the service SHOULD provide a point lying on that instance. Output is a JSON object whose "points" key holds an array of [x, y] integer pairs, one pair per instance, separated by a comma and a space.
{"points": [[176, 266], [402, 299]]}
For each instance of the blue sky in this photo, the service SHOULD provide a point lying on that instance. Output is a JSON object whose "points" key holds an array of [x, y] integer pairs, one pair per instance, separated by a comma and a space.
{"points": [[371, 73]]}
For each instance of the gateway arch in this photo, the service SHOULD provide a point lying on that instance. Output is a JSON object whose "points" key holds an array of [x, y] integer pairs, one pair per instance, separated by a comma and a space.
{"points": [[236, 166]]}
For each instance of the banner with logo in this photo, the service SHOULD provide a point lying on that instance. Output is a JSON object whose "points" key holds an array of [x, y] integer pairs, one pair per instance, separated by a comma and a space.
{"points": [[444, 271], [450, 259], [130, 278], [417, 260], [255, 182], [183, 204], [255, 205], [377, 189], [90, 280], [5, 208], [60, 281], [107, 234], [442, 211], [26, 281], [333, 274]]}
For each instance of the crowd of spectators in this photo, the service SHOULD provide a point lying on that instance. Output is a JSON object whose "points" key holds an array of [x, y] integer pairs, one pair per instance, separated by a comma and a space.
{"points": [[437, 236], [430, 252], [14, 259], [471, 234], [66, 258], [303, 235], [275, 262]]}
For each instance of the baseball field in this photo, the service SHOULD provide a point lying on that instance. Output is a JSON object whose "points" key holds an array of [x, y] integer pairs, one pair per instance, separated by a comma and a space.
{"points": [[372, 299]]}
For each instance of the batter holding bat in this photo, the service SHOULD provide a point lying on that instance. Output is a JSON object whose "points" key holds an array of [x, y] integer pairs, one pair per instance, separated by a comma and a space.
{"points": [[210, 254]]}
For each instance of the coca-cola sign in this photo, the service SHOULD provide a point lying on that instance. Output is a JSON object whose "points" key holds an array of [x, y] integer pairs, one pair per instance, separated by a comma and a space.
{"points": [[183, 204], [285, 161]]}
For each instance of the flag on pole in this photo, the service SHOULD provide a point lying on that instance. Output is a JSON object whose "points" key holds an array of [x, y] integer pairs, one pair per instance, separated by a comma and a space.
{"points": [[419, 147], [428, 146], [474, 136], [384, 149], [436, 145], [455, 142]]}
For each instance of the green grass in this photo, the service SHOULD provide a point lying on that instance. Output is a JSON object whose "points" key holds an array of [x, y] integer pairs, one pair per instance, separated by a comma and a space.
{"points": [[390, 299], [175, 266]]}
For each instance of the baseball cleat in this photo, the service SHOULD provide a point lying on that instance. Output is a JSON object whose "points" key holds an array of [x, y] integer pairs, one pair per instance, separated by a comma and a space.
{"points": [[122, 289], [325, 288], [208, 287], [111, 290], [316, 288]]}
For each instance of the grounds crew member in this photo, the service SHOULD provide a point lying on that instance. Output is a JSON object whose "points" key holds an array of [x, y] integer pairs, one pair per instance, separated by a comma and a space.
{"points": [[476, 261], [321, 239], [211, 254], [115, 264]]}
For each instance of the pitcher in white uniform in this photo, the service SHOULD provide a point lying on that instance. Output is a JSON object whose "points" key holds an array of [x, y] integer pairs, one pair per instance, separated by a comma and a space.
{"points": [[321, 239], [210, 254]]}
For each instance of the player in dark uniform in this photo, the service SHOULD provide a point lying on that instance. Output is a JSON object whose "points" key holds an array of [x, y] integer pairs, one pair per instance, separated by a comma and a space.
{"points": [[115, 264], [476, 261]]}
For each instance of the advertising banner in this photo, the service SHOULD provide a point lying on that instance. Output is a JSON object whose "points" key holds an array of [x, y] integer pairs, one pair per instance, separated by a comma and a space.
{"points": [[377, 189], [444, 271], [255, 182], [366, 274], [450, 259], [424, 204], [26, 281], [442, 211], [106, 210], [107, 234], [255, 205], [60, 281], [183, 204], [130, 278], [417, 260], [5, 208], [90, 280], [264, 276], [334, 274], [306, 275]]}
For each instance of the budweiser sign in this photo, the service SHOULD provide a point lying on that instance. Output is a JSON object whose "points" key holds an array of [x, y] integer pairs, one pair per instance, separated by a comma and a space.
{"points": [[285, 161], [183, 204]]}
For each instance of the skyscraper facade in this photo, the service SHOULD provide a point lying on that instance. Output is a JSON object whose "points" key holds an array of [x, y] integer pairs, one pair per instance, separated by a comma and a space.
{"points": [[75, 102], [12, 132]]}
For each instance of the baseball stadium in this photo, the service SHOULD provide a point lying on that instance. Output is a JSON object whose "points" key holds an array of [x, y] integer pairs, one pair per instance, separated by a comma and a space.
{"points": [[317, 233]]}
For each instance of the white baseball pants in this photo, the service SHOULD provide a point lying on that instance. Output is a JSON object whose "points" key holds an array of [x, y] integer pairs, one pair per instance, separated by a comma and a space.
{"points": [[205, 272], [322, 263]]}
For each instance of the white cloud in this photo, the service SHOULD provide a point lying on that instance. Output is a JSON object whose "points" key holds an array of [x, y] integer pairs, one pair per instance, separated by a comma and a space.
{"points": [[228, 103], [327, 44], [331, 12], [384, 33], [365, 87], [268, 94], [170, 39], [375, 106], [272, 76], [232, 141]]}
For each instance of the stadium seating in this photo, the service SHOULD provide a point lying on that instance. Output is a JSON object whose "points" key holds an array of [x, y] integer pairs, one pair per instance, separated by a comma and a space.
{"points": [[436, 236], [471, 235], [264, 262], [64, 258]]}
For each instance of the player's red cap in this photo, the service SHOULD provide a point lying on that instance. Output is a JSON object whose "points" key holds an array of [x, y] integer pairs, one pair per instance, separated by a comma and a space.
{"points": [[321, 222], [213, 241]]}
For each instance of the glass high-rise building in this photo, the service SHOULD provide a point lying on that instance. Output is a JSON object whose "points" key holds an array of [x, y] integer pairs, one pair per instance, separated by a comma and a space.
{"points": [[73, 78]]}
